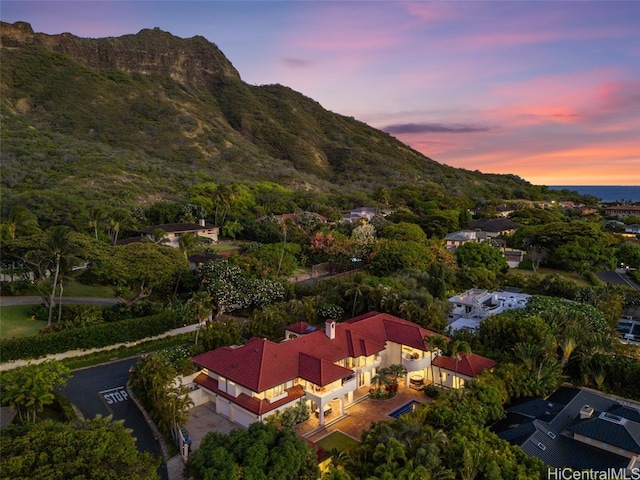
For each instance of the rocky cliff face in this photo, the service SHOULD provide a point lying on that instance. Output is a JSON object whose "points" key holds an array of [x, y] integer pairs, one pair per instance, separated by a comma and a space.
{"points": [[193, 62]]}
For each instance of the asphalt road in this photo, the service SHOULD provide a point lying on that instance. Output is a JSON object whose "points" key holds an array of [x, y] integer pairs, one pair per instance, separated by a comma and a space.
{"points": [[101, 391], [6, 301], [615, 277]]}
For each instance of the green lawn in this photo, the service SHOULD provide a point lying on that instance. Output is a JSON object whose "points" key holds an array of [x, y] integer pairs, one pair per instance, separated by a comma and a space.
{"points": [[72, 288], [339, 441], [547, 271], [16, 322]]}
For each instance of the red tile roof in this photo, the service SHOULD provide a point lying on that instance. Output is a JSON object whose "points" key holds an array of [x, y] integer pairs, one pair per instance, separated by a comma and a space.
{"points": [[320, 372], [469, 366], [261, 364]]}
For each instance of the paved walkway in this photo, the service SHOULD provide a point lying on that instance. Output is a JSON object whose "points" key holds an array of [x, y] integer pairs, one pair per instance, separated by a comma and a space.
{"points": [[359, 416]]}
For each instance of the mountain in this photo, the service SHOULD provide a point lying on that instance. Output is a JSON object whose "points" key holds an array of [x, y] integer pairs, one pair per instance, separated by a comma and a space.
{"points": [[140, 118]]}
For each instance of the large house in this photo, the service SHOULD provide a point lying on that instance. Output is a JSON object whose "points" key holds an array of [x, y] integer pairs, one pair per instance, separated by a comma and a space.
{"points": [[470, 308], [327, 368], [494, 227], [454, 239], [576, 428], [623, 211], [175, 230]]}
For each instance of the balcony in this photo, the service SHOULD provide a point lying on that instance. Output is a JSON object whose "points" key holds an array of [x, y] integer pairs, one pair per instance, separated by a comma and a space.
{"points": [[413, 362], [334, 390]]}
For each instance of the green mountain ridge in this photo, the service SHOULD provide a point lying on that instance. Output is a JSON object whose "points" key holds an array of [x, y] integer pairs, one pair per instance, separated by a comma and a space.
{"points": [[137, 119]]}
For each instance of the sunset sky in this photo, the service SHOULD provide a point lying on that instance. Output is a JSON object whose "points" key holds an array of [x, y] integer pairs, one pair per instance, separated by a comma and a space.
{"points": [[546, 90]]}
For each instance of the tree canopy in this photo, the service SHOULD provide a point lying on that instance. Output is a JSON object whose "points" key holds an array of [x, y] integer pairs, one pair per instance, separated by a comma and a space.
{"points": [[261, 452], [99, 449]]}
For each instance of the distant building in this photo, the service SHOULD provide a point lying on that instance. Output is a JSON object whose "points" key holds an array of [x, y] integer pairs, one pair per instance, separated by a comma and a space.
{"points": [[175, 230], [365, 214], [455, 239], [623, 211], [494, 227], [473, 306]]}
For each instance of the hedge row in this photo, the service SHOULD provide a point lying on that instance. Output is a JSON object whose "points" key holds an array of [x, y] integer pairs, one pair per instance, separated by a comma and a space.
{"points": [[96, 336]]}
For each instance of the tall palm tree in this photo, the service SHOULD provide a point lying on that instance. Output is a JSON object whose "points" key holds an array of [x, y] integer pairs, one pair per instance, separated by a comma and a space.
{"points": [[201, 306], [119, 218], [439, 344], [188, 244], [284, 246], [59, 247], [459, 348], [96, 216]]}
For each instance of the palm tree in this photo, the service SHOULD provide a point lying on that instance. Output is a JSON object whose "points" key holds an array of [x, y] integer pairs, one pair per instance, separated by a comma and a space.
{"points": [[118, 218], [201, 306], [188, 244], [380, 379], [95, 217], [389, 453], [459, 348], [396, 371], [20, 219], [59, 247], [160, 236], [284, 246], [439, 344]]}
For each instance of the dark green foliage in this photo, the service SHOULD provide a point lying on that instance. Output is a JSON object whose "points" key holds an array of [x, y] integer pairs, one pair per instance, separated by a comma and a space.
{"points": [[261, 452], [97, 449], [84, 338], [475, 255]]}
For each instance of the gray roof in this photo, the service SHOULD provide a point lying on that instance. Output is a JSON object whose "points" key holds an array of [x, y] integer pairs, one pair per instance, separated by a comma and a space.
{"points": [[550, 425], [177, 227], [494, 224], [611, 429]]}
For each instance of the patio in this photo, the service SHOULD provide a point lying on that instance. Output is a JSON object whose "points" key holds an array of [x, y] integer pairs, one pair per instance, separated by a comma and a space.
{"points": [[358, 416]]}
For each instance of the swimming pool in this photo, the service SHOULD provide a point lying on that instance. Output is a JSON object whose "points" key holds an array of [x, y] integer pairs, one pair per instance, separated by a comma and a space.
{"points": [[406, 408]]}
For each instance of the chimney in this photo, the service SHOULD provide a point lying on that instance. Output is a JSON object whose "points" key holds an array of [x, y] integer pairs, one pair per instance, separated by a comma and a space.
{"points": [[330, 329], [202, 222], [586, 411]]}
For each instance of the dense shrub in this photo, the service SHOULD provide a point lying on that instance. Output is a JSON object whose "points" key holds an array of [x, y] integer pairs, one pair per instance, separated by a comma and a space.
{"points": [[85, 338]]}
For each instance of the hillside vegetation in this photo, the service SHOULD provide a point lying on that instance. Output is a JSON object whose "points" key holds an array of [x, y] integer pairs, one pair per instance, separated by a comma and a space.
{"points": [[134, 120]]}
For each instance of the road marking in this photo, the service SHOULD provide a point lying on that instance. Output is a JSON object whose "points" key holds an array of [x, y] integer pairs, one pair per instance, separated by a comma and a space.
{"points": [[115, 395]]}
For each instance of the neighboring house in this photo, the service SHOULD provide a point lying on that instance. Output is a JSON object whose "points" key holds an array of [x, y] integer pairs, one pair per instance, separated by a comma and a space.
{"points": [[199, 260], [364, 214], [494, 227], [576, 428], [513, 256], [468, 367], [623, 211], [175, 230], [474, 305], [328, 368], [455, 239], [504, 211], [635, 229]]}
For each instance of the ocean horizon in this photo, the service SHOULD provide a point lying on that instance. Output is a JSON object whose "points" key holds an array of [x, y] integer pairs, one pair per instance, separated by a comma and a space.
{"points": [[606, 193]]}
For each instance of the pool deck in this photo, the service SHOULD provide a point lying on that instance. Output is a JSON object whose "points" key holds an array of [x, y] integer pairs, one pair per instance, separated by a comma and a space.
{"points": [[359, 416]]}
